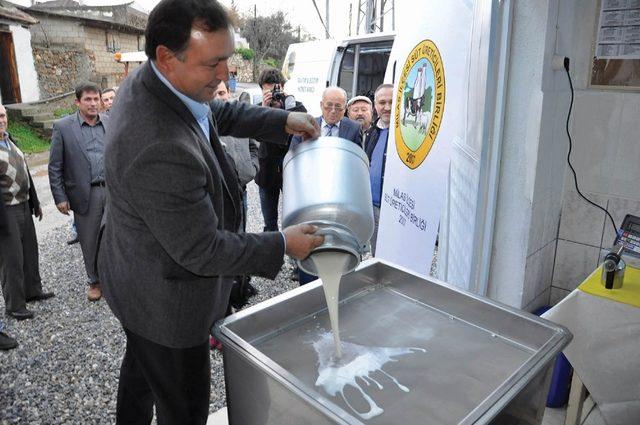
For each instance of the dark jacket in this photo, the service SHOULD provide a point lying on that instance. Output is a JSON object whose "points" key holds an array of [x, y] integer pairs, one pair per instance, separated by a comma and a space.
{"points": [[270, 157], [349, 130], [170, 239], [244, 153], [69, 166]]}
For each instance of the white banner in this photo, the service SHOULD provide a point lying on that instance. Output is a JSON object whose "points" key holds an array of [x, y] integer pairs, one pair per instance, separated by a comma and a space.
{"points": [[431, 55]]}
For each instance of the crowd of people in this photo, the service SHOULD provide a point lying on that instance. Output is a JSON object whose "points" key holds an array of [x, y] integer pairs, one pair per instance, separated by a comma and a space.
{"points": [[155, 176]]}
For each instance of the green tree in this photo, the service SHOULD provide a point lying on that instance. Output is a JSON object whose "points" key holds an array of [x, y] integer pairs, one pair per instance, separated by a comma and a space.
{"points": [[426, 99], [268, 36]]}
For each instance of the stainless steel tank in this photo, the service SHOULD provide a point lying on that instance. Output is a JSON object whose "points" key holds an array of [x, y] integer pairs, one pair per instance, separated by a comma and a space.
{"points": [[326, 183], [485, 363]]}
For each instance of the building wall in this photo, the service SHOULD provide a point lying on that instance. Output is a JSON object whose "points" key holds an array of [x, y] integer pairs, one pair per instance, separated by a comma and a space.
{"points": [[52, 31], [29, 89], [605, 128], [108, 72], [534, 152], [60, 58]]}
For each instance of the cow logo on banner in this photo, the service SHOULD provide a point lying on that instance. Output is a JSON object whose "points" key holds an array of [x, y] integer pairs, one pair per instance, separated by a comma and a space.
{"points": [[419, 104]]}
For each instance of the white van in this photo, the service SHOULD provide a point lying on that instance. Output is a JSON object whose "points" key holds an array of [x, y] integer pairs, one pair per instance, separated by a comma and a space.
{"points": [[357, 64]]}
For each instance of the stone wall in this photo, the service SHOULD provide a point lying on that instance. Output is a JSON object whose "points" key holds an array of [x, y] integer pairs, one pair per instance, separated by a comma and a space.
{"points": [[67, 52], [60, 68], [244, 68]]}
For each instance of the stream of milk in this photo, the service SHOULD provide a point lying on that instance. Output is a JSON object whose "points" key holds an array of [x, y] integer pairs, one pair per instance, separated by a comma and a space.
{"points": [[341, 364], [330, 266]]}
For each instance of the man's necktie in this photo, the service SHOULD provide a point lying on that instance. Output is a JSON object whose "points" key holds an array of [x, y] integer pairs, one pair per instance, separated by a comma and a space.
{"points": [[328, 129]]}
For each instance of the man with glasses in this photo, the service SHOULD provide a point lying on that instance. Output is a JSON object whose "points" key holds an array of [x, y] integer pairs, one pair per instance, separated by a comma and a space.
{"points": [[333, 122]]}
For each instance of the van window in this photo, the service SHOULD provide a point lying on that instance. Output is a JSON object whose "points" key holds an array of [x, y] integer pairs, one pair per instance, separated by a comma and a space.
{"points": [[345, 77], [370, 59], [372, 64]]}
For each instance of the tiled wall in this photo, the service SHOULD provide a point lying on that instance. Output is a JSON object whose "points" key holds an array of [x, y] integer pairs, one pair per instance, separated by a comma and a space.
{"points": [[605, 129]]}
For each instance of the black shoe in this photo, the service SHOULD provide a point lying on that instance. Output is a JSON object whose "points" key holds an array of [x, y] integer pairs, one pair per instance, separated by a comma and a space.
{"points": [[41, 297], [6, 342], [21, 314], [73, 241], [250, 290]]}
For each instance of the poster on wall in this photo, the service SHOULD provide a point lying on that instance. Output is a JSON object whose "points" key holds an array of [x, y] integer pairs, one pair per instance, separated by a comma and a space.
{"points": [[619, 30], [429, 112]]}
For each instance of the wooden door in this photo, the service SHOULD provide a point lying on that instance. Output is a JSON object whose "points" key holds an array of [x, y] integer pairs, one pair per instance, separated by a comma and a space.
{"points": [[9, 81]]}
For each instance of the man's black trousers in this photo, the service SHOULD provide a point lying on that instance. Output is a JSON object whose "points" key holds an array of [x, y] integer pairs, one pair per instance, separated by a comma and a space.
{"points": [[176, 380]]}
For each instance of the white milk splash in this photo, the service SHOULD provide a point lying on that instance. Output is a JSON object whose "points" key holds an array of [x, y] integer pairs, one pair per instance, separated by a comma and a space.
{"points": [[357, 361]]}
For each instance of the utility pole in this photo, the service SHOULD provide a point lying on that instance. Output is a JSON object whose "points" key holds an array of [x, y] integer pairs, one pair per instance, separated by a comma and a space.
{"points": [[326, 19], [393, 15], [371, 16], [359, 20], [350, 17]]}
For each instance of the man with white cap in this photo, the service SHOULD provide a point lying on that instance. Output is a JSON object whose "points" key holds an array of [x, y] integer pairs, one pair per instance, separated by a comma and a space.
{"points": [[360, 108]]}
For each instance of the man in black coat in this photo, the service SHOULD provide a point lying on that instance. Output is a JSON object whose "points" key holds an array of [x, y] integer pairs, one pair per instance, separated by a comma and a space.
{"points": [[271, 156]]}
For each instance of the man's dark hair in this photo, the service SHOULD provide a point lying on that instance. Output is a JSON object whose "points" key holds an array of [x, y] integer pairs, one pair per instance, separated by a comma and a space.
{"points": [[109, 90], [87, 88], [170, 23], [271, 76]]}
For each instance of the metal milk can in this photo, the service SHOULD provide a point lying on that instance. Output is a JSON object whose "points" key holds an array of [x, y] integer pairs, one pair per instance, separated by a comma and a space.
{"points": [[326, 183]]}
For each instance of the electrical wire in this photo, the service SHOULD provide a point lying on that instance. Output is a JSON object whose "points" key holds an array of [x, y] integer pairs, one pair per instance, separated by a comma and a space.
{"points": [[575, 177], [320, 17]]}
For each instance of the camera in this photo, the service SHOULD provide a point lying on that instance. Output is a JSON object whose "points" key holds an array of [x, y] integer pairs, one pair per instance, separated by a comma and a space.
{"points": [[278, 96]]}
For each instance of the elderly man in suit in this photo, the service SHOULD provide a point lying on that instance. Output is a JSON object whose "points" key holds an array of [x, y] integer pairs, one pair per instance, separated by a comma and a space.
{"points": [[19, 268], [333, 122], [76, 174], [170, 241]]}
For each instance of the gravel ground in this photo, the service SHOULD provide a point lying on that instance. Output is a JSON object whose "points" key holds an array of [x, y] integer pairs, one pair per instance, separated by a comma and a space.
{"points": [[66, 367]]}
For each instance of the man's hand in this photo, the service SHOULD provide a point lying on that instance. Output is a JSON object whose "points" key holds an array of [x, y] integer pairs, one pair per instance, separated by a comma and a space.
{"points": [[63, 207], [302, 124], [266, 98], [300, 240], [39, 213]]}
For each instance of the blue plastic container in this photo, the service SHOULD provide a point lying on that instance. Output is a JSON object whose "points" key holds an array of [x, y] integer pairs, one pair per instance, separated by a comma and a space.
{"points": [[561, 376]]}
